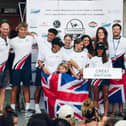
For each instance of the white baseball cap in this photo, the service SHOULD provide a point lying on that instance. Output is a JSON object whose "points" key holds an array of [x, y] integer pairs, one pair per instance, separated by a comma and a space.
{"points": [[65, 111]]}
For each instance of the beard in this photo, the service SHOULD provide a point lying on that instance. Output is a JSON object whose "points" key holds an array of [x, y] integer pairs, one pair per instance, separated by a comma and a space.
{"points": [[116, 35]]}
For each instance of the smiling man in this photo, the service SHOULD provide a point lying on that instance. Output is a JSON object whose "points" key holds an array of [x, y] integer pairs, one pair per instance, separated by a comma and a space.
{"points": [[4, 51], [117, 50], [21, 69]]}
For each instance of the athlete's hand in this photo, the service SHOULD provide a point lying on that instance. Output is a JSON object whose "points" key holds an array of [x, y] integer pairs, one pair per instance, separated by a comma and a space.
{"points": [[125, 57], [45, 70], [89, 55], [77, 77], [81, 71]]}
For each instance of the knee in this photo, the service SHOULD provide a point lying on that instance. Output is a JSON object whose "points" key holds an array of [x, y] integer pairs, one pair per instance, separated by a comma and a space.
{"points": [[95, 97], [105, 96], [2, 90]]}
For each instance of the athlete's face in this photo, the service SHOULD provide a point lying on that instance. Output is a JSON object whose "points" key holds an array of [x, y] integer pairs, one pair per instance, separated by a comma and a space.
{"points": [[62, 69], [79, 46], [101, 34], [50, 36], [86, 41], [116, 31], [55, 48], [22, 32], [100, 52], [5, 29], [67, 41]]}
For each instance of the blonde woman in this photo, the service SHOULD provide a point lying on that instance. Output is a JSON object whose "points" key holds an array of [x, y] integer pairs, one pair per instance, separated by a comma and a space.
{"points": [[89, 114]]}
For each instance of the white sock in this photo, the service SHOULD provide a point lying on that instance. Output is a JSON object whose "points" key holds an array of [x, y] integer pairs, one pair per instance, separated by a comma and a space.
{"points": [[37, 108], [27, 106], [13, 106]]}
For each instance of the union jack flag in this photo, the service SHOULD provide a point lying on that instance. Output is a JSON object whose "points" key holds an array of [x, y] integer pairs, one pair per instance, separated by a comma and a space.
{"points": [[60, 89], [117, 91]]}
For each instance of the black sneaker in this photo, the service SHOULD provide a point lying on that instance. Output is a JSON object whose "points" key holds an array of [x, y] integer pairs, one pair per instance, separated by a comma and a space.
{"points": [[121, 114]]}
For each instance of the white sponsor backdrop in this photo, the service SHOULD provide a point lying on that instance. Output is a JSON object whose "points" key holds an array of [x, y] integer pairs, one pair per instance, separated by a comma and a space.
{"points": [[73, 16]]}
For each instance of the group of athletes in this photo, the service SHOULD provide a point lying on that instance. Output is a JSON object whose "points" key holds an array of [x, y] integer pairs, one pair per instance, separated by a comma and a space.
{"points": [[54, 55]]}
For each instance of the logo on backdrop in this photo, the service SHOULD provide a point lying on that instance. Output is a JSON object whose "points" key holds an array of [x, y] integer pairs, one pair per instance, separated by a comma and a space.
{"points": [[117, 21], [92, 24], [106, 24], [56, 24], [44, 24], [75, 27], [35, 11]]}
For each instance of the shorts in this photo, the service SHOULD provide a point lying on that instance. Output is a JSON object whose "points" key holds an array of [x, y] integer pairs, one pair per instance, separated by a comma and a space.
{"points": [[119, 63], [4, 79], [38, 77], [10, 63], [24, 75], [100, 82]]}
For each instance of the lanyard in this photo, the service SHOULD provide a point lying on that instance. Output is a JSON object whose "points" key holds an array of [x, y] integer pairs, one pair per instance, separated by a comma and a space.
{"points": [[115, 48]]}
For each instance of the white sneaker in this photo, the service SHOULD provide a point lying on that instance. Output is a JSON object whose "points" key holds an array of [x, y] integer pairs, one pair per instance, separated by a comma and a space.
{"points": [[37, 110]]}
